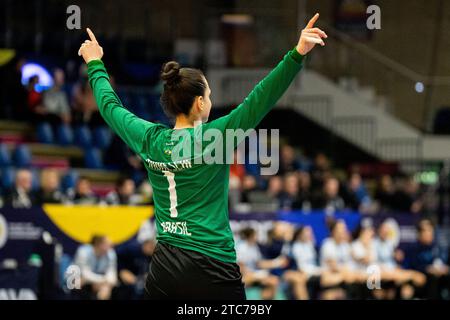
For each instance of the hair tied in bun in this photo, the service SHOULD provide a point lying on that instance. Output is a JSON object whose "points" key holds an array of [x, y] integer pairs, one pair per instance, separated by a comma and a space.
{"points": [[170, 72]]}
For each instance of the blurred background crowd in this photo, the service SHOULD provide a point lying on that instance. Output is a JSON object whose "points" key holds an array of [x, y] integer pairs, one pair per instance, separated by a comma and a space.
{"points": [[380, 163]]}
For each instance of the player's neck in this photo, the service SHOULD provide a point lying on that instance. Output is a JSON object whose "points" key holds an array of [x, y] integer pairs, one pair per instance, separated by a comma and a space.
{"points": [[183, 122]]}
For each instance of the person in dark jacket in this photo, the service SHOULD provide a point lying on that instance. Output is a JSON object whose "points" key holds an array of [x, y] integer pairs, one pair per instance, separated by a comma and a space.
{"points": [[427, 257], [21, 195]]}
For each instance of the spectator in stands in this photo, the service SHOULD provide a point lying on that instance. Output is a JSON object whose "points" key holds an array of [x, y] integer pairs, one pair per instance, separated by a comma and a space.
{"points": [[320, 170], [275, 187], [49, 191], [85, 109], [289, 197], [237, 174], [305, 196], [255, 269], [98, 265], [388, 255], [389, 259], [249, 185], [304, 253], [336, 257], [330, 200], [22, 196], [278, 245], [55, 102], [427, 256], [34, 99], [289, 161], [408, 198], [364, 256], [133, 267], [124, 193], [121, 157], [355, 193], [385, 192], [83, 193], [363, 247], [145, 193]]}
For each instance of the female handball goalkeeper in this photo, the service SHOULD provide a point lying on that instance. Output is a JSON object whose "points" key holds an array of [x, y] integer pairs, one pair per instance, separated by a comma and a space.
{"points": [[195, 255]]}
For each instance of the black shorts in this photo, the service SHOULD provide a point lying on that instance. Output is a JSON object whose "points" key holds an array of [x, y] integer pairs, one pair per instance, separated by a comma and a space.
{"points": [[177, 273]]}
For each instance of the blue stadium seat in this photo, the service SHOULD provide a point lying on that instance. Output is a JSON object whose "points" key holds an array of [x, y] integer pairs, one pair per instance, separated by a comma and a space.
{"points": [[83, 137], [102, 137], [93, 158], [22, 156], [7, 177], [44, 133], [69, 180], [64, 135], [5, 157]]}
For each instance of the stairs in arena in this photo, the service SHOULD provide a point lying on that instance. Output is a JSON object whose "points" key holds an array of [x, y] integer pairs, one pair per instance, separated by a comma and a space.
{"points": [[357, 115]]}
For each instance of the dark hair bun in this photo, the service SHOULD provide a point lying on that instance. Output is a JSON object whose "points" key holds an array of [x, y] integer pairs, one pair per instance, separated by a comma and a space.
{"points": [[170, 72]]}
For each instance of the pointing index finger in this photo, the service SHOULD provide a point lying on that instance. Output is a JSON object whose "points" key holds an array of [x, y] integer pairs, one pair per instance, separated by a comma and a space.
{"points": [[312, 21], [91, 35]]}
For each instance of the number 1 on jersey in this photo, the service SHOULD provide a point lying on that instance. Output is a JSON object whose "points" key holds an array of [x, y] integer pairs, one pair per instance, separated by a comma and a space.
{"points": [[172, 193]]}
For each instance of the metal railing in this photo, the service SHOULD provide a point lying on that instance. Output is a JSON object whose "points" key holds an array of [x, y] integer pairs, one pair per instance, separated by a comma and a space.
{"points": [[404, 88], [360, 130], [399, 149]]}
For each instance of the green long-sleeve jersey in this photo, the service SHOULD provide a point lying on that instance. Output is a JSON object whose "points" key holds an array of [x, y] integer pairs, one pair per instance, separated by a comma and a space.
{"points": [[191, 197]]}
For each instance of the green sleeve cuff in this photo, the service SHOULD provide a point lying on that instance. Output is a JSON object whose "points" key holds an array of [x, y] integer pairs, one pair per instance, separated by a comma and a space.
{"points": [[297, 56], [96, 68], [94, 63]]}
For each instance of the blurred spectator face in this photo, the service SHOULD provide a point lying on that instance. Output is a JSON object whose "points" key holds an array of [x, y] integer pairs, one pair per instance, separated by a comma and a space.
{"points": [[411, 186], [291, 184], [146, 190], [331, 188], [355, 181], [282, 231], [386, 183], [340, 232], [322, 162], [384, 231], [304, 180], [58, 78], [49, 180], [33, 81], [275, 185], [287, 154], [148, 246], [249, 183], [102, 246], [24, 180], [306, 235], [83, 187], [366, 235], [278, 230], [252, 237], [426, 233], [127, 188]]}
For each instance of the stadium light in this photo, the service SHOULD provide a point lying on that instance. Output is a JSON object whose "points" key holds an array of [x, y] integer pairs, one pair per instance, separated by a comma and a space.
{"points": [[32, 69]]}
